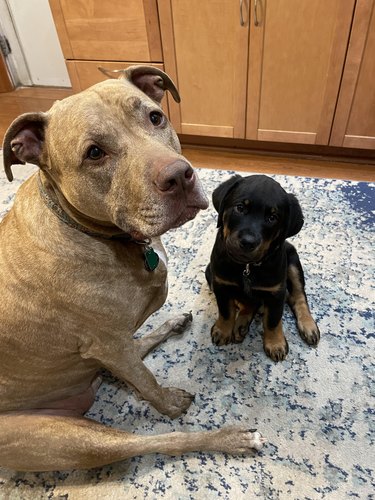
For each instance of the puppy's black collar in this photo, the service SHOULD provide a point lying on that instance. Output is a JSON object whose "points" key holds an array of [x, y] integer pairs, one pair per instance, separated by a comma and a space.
{"points": [[246, 272], [151, 258]]}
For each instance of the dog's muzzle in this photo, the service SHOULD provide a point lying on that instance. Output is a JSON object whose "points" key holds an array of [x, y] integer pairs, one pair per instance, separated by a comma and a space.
{"points": [[178, 180]]}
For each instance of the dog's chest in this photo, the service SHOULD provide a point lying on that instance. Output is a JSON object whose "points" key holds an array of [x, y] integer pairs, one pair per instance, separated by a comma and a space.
{"points": [[249, 281], [112, 286], [246, 284], [137, 277]]}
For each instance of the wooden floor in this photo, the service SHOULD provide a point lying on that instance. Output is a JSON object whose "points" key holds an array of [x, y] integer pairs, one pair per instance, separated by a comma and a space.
{"points": [[274, 164], [24, 100]]}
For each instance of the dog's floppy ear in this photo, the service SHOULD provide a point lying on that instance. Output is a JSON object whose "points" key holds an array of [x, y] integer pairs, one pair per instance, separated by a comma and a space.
{"points": [[23, 141], [220, 193], [152, 81], [296, 220]]}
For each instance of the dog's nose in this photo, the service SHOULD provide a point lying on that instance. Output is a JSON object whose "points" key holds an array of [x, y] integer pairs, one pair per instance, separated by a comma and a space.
{"points": [[176, 176], [248, 241]]}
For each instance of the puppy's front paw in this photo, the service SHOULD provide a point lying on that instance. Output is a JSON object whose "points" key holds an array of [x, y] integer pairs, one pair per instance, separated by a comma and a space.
{"points": [[240, 333], [309, 332], [175, 402], [277, 351], [219, 336]]}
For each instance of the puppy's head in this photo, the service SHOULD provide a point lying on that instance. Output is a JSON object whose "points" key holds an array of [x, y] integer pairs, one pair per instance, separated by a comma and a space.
{"points": [[255, 216]]}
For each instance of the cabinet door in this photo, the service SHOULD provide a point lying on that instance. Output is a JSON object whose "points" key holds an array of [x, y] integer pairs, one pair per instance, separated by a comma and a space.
{"points": [[297, 52], [354, 124], [205, 52], [83, 74], [115, 30]]}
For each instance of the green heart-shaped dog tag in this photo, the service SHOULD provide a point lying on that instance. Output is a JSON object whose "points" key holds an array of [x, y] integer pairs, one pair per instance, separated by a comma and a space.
{"points": [[151, 259]]}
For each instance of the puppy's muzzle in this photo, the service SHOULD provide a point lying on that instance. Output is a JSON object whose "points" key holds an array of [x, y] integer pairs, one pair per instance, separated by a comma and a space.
{"points": [[244, 246], [248, 241]]}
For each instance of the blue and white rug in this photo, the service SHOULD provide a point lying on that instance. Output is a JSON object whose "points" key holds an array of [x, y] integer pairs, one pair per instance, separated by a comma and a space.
{"points": [[316, 408]]}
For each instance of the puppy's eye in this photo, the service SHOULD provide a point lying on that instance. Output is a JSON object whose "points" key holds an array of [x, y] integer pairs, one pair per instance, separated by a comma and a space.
{"points": [[156, 118], [272, 218], [239, 208], [95, 153]]}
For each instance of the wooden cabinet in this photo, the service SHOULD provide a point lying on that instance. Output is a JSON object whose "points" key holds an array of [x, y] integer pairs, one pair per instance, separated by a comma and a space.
{"points": [[354, 124], [113, 34], [296, 57], [205, 52], [294, 71], [273, 77]]}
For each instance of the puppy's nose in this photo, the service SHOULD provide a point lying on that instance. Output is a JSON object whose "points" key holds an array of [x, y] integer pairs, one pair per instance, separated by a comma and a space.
{"points": [[248, 241], [176, 176]]}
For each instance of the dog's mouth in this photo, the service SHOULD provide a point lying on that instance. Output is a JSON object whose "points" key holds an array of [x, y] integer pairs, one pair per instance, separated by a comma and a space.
{"points": [[158, 214], [243, 256], [183, 217], [186, 215]]}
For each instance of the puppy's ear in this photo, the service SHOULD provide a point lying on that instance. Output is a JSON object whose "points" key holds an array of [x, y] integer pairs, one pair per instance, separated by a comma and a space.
{"points": [[221, 192], [23, 141], [296, 220], [152, 81]]}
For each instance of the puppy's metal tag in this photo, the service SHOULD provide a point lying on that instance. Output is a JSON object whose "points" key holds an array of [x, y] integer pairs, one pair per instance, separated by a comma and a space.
{"points": [[247, 280], [246, 271], [151, 258]]}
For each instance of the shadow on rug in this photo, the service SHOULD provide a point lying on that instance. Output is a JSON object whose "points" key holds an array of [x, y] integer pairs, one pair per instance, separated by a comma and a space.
{"points": [[314, 407]]}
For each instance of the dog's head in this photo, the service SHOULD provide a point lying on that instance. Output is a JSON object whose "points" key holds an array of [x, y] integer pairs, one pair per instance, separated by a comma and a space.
{"points": [[112, 156], [255, 216]]}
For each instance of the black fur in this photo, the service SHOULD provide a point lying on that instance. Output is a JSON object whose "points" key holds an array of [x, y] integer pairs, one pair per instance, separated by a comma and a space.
{"points": [[255, 217]]}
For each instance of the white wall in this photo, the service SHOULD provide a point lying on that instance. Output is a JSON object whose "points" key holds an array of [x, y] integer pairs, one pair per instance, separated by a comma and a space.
{"points": [[33, 22]]}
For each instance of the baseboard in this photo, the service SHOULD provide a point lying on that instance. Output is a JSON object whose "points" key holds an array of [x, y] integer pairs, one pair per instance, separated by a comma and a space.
{"points": [[306, 151]]}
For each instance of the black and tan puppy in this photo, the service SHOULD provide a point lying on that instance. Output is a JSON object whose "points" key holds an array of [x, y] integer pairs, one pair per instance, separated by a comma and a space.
{"points": [[252, 264]]}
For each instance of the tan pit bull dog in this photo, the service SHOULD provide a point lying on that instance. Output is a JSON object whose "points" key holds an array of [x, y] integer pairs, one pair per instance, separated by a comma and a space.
{"points": [[79, 274]]}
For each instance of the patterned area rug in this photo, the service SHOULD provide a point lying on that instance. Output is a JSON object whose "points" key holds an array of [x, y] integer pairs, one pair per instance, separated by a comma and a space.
{"points": [[315, 408]]}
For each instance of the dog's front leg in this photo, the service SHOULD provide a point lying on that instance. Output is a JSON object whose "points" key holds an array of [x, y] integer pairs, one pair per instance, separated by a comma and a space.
{"points": [[246, 313], [222, 330], [274, 341], [125, 362]]}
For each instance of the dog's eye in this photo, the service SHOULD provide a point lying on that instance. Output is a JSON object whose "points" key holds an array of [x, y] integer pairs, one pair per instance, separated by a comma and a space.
{"points": [[272, 218], [156, 118], [95, 153], [240, 208]]}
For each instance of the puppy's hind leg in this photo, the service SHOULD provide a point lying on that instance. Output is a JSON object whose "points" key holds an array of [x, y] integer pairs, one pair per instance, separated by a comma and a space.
{"points": [[174, 326], [297, 300]]}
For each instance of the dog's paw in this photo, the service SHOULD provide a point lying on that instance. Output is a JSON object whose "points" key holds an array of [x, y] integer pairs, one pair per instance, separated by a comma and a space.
{"points": [[240, 333], [175, 401], [179, 323], [309, 332], [235, 440], [219, 337], [277, 351]]}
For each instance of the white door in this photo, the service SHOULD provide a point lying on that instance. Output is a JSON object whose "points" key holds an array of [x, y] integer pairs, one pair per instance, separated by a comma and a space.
{"points": [[36, 57]]}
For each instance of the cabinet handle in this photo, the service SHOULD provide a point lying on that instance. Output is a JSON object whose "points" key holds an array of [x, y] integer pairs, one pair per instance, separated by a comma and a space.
{"points": [[242, 21], [256, 21]]}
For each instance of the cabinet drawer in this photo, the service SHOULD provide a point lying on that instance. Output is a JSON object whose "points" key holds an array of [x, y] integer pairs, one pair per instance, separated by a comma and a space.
{"points": [[108, 30]]}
